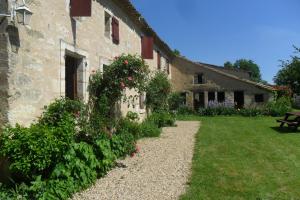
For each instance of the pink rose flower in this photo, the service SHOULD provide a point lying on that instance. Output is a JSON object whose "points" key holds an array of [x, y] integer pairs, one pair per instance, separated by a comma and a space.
{"points": [[122, 84], [132, 155], [130, 78], [126, 62]]}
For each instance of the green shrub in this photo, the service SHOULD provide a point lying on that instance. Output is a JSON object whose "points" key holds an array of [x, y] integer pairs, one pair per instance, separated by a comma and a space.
{"points": [[162, 119], [150, 129], [251, 112], [56, 111], [157, 92], [123, 142], [131, 127], [278, 107], [175, 101], [105, 156], [184, 110], [76, 171], [34, 150]]}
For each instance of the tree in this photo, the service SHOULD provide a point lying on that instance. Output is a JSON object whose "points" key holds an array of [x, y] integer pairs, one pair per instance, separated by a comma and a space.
{"points": [[247, 65], [228, 65], [289, 74], [176, 52]]}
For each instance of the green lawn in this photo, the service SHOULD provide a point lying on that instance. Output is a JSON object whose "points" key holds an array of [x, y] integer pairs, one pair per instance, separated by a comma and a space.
{"points": [[244, 158]]}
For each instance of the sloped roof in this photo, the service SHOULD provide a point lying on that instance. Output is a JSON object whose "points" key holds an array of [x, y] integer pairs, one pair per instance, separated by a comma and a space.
{"points": [[260, 85], [138, 19]]}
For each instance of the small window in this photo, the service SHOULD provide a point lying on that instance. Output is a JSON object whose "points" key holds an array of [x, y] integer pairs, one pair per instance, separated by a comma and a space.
{"points": [[259, 98], [105, 67], [107, 24], [158, 60], [198, 79], [211, 96], [183, 96], [221, 97], [168, 66], [142, 101], [115, 30]]}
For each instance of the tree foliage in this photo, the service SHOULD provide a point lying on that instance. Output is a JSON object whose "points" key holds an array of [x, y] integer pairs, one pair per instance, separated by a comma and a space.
{"points": [[247, 65], [289, 74], [157, 92]]}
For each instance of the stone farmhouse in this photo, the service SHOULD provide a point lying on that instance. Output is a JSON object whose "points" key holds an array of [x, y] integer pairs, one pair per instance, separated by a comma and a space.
{"points": [[54, 53], [201, 83]]}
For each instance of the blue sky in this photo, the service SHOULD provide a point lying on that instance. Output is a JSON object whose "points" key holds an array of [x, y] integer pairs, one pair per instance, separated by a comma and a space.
{"points": [[215, 31]]}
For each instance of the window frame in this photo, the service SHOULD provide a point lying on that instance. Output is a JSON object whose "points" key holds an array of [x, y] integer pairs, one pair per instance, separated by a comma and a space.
{"points": [[202, 78], [259, 98]]}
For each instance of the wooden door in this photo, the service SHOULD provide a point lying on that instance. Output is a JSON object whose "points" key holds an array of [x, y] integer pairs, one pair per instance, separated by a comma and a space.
{"points": [[71, 77]]}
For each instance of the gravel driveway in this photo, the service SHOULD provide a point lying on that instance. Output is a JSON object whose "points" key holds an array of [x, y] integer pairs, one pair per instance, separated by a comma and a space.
{"points": [[160, 171]]}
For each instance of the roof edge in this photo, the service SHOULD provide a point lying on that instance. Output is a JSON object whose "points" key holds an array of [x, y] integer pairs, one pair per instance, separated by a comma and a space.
{"points": [[260, 85]]}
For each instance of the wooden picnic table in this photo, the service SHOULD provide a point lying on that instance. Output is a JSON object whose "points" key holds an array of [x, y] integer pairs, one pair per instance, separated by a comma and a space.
{"points": [[295, 122]]}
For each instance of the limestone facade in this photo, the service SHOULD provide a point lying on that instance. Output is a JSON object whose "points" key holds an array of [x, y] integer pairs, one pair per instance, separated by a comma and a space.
{"points": [[33, 57]]}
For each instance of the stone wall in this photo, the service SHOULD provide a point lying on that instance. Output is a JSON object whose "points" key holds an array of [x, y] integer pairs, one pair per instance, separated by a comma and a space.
{"points": [[38, 64], [183, 80]]}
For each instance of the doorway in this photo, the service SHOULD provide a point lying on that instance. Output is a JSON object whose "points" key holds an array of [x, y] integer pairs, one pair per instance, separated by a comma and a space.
{"points": [[239, 99], [199, 100], [71, 71]]}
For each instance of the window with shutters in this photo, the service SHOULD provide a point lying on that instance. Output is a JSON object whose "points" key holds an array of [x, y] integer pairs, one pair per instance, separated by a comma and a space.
{"points": [[158, 60], [147, 47], [115, 30], [107, 24], [198, 79], [80, 8]]}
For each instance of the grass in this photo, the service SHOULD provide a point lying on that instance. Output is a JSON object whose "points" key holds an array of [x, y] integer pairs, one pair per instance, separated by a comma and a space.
{"points": [[244, 158]]}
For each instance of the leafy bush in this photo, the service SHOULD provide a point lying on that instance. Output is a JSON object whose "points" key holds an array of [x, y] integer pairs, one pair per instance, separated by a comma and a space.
{"points": [[162, 119], [251, 112], [34, 150], [279, 107], [56, 111], [157, 92], [175, 101], [123, 143], [184, 110], [150, 129]]}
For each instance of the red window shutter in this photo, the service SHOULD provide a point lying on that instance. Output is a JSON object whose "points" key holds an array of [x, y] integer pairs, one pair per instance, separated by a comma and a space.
{"points": [[147, 47], [158, 60], [115, 31], [81, 8]]}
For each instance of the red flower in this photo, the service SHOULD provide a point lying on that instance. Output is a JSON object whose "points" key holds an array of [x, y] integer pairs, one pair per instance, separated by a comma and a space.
{"points": [[126, 62], [77, 114], [137, 149], [132, 155], [122, 84], [130, 78]]}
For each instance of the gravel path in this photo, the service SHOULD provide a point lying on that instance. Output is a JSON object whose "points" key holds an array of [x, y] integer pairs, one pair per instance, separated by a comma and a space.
{"points": [[160, 171]]}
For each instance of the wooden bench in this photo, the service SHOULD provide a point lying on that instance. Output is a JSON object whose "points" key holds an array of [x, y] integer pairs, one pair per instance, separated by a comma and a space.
{"points": [[290, 122]]}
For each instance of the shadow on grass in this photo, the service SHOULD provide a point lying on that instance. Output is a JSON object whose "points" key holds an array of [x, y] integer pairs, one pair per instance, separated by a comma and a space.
{"points": [[286, 130]]}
